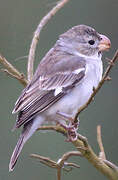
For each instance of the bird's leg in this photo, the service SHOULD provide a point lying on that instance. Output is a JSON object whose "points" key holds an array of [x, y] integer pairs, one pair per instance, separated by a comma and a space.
{"points": [[71, 128], [64, 116]]}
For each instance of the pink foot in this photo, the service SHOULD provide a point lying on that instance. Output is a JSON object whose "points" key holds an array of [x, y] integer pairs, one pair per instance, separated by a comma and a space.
{"points": [[71, 128]]}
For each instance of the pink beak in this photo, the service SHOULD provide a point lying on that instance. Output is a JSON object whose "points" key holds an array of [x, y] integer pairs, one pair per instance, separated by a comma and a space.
{"points": [[104, 44]]}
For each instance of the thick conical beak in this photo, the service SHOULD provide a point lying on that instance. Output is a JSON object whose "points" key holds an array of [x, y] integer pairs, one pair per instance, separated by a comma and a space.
{"points": [[105, 43]]}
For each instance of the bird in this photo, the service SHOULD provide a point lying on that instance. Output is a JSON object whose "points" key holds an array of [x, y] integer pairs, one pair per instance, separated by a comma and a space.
{"points": [[62, 83]]}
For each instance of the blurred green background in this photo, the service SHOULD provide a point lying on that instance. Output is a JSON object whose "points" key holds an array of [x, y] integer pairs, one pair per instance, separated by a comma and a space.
{"points": [[18, 20]]}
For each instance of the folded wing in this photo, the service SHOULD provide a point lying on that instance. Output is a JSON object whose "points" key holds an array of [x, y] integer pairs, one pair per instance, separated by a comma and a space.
{"points": [[46, 89]]}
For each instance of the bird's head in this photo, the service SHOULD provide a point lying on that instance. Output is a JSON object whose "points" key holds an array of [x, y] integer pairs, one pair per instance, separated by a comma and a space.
{"points": [[85, 40]]}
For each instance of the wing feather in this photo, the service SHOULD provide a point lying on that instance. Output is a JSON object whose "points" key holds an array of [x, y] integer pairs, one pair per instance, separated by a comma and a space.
{"points": [[41, 93]]}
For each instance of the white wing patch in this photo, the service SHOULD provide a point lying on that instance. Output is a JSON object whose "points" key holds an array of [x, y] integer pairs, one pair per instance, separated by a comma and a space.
{"points": [[41, 78], [57, 91], [77, 71]]}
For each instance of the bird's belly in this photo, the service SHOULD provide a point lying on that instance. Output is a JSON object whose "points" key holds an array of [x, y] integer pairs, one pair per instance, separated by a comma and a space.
{"points": [[79, 95], [71, 102]]}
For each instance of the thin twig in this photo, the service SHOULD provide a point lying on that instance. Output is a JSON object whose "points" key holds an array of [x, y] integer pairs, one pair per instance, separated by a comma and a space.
{"points": [[111, 165], [36, 37], [59, 173], [60, 163], [67, 155], [104, 78], [99, 139], [71, 164], [45, 160], [12, 71]]}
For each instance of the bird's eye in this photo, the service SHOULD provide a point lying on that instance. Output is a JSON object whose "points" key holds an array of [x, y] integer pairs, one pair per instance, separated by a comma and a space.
{"points": [[91, 42]]}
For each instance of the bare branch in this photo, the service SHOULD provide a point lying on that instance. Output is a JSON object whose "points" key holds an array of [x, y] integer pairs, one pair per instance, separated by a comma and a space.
{"points": [[99, 139], [86, 151], [71, 165], [95, 90], [111, 165], [12, 71], [36, 37], [66, 156], [45, 160], [60, 163], [56, 128]]}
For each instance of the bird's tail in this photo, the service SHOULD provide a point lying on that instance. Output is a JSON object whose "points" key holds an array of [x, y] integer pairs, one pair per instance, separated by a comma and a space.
{"points": [[28, 130], [16, 152]]}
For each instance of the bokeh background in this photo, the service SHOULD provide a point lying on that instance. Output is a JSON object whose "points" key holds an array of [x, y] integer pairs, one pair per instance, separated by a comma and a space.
{"points": [[18, 20]]}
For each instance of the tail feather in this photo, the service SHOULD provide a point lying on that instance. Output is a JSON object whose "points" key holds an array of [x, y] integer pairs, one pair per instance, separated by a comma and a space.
{"points": [[28, 130], [16, 152]]}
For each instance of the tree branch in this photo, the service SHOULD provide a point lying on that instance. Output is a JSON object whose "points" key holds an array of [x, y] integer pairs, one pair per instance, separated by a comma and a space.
{"points": [[104, 166], [99, 139], [36, 37], [61, 163], [12, 71], [111, 165], [102, 152]]}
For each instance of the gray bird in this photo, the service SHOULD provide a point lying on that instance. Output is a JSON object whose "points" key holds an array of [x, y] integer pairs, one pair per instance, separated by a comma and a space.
{"points": [[62, 83]]}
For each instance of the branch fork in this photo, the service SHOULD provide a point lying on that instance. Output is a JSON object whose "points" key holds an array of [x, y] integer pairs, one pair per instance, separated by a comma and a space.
{"points": [[61, 163]]}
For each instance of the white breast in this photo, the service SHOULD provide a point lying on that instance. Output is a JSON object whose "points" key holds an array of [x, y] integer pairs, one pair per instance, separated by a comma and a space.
{"points": [[80, 94]]}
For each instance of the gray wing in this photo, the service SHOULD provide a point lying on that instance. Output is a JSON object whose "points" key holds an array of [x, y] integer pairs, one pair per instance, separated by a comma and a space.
{"points": [[48, 87]]}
